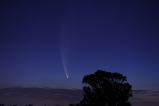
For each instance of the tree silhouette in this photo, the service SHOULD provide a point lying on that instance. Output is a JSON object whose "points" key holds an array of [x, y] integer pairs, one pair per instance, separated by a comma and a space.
{"points": [[105, 89]]}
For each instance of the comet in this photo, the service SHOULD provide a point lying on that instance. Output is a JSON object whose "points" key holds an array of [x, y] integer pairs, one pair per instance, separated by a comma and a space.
{"points": [[63, 47], [65, 67]]}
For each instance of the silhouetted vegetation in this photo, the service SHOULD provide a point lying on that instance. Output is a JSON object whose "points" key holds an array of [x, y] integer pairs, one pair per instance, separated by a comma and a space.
{"points": [[1, 104], [105, 89], [29, 105], [20, 105], [13, 105]]}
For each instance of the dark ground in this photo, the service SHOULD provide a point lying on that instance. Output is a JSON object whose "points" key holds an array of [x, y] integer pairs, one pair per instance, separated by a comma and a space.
{"points": [[63, 97]]}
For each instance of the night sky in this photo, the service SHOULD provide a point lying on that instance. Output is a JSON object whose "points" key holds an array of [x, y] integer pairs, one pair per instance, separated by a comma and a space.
{"points": [[40, 41]]}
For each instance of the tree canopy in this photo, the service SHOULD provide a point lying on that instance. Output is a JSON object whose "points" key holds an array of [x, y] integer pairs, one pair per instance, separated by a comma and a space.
{"points": [[104, 88]]}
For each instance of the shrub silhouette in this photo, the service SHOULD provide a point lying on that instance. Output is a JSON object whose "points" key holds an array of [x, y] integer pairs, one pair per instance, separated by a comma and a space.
{"points": [[13, 105], [105, 89], [29, 105], [1, 104]]}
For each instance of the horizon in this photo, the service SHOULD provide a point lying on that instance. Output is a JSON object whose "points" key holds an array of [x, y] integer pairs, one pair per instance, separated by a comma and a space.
{"points": [[22, 87]]}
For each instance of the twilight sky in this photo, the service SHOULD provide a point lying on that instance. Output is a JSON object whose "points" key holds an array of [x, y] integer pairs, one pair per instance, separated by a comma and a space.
{"points": [[41, 39]]}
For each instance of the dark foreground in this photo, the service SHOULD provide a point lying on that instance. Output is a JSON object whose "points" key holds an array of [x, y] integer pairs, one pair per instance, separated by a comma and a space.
{"points": [[63, 97]]}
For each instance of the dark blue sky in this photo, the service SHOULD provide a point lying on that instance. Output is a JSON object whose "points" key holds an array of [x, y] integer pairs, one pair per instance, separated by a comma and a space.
{"points": [[118, 36]]}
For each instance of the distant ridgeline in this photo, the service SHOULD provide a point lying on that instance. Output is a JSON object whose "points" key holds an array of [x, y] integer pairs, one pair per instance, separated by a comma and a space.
{"points": [[17, 105], [24, 105]]}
